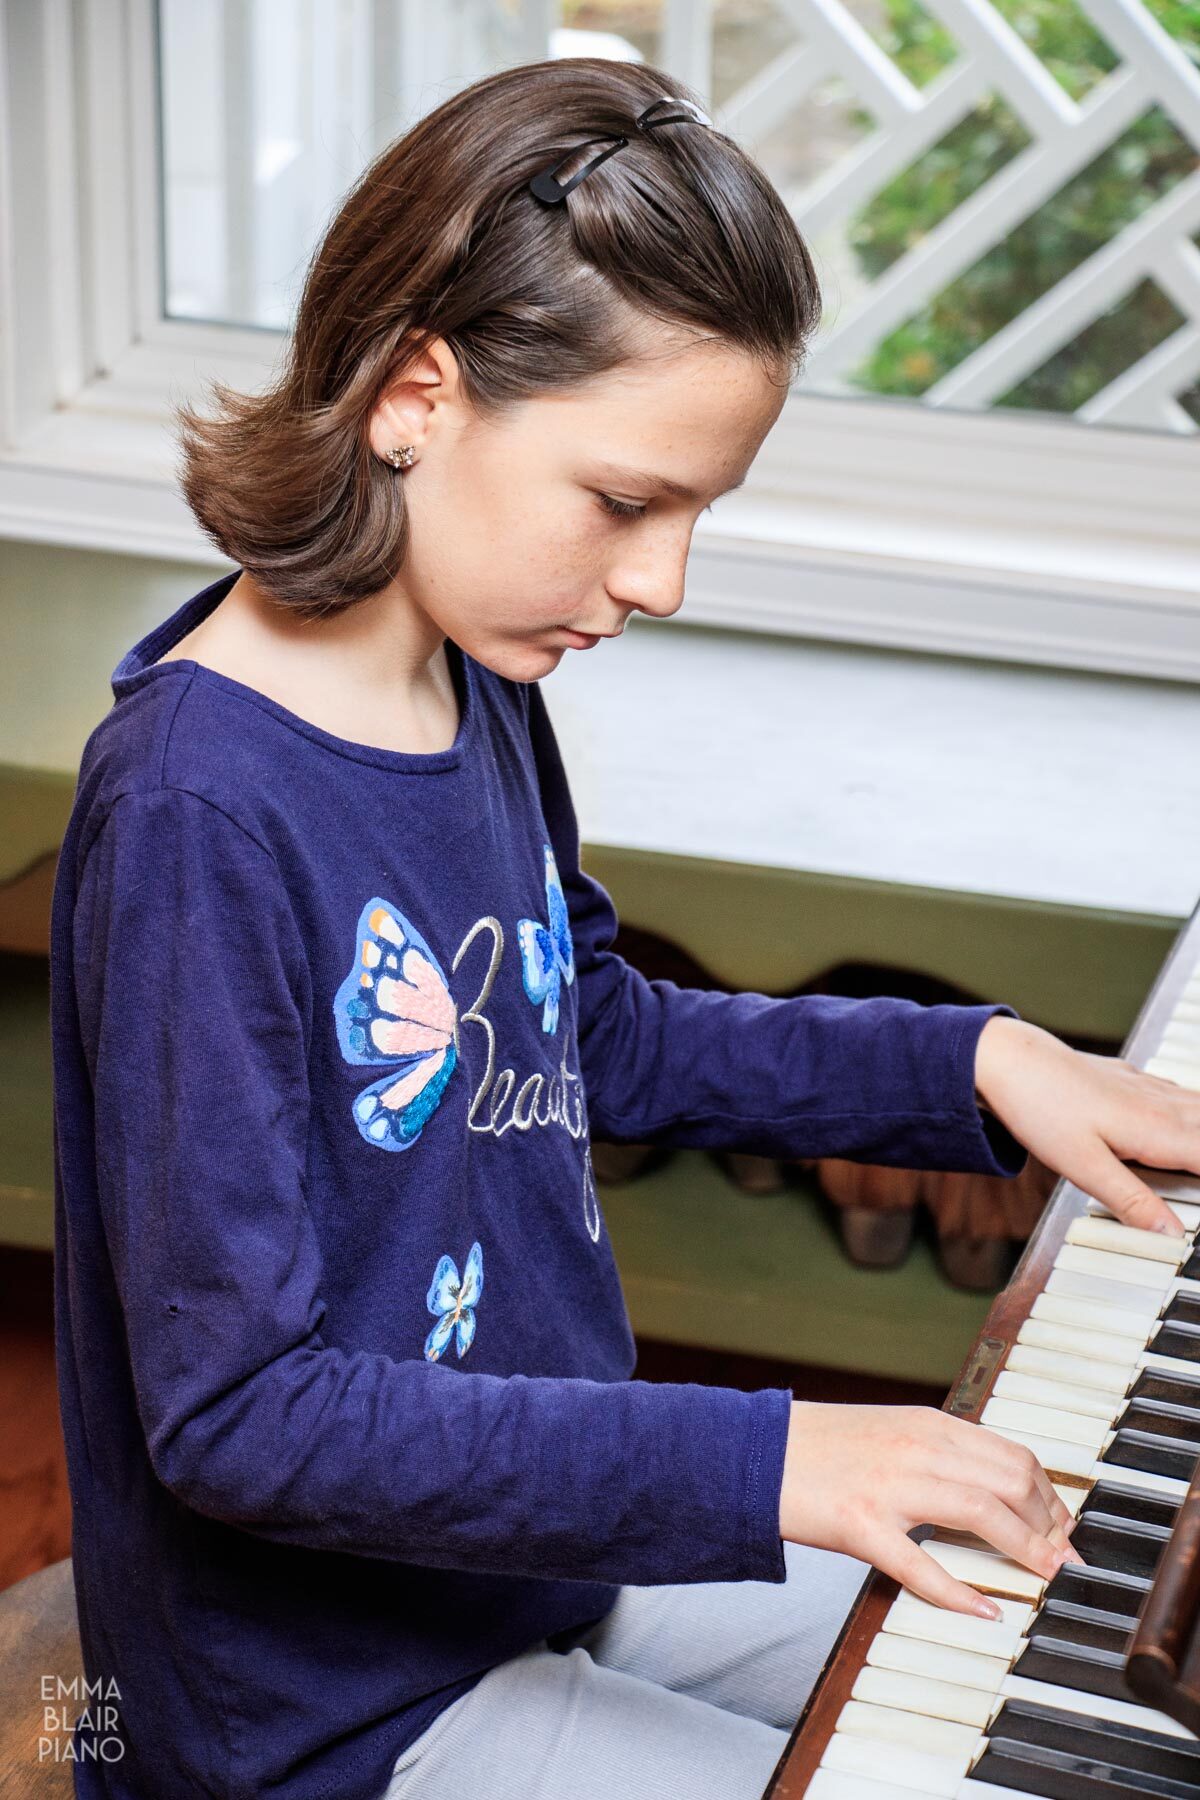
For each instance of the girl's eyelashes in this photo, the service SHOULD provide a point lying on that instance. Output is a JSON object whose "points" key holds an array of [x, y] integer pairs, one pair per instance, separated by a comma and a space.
{"points": [[620, 509], [624, 509]]}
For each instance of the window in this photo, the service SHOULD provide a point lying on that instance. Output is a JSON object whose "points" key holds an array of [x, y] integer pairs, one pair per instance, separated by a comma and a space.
{"points": [[992, 447]]}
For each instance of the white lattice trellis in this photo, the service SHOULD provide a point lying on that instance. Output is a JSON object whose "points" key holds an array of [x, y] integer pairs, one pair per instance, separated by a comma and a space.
{"points": [[1067, 136]]}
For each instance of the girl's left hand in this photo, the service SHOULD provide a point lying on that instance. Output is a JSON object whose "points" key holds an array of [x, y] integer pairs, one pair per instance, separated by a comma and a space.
{"points": [[1085, 1114]]}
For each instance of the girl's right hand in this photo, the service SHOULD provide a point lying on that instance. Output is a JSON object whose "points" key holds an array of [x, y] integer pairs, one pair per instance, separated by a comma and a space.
{"points": [[858, 1478]]}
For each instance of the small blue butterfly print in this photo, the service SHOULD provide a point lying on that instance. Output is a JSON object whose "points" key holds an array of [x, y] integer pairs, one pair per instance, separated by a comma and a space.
{"points": [[547, 953], [395, 1007], [453, 1303]]}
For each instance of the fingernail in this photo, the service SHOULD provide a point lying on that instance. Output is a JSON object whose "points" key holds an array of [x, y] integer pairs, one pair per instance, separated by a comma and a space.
{"points": [[987, 1609]]}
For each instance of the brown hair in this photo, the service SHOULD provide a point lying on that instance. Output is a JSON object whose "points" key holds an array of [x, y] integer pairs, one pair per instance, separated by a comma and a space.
{"points": [[440, 237]]}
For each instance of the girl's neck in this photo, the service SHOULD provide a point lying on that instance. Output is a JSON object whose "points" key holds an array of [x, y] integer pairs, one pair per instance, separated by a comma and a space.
{"points": [[351, 674]]}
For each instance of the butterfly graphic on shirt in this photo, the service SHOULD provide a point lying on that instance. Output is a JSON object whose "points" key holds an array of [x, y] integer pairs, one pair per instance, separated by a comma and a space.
{"points": [[395, 1008], [547, 953], [453, 1301]]}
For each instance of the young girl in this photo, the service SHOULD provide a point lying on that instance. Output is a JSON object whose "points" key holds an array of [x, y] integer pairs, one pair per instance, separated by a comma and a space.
{"points": [[365, 1499]]}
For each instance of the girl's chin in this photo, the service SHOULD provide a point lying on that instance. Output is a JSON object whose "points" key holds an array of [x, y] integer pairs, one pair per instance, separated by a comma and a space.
{"points": [[523, 662]]}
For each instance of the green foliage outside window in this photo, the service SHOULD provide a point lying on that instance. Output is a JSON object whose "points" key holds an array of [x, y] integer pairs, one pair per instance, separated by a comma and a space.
{"points": [[1090, 207]]}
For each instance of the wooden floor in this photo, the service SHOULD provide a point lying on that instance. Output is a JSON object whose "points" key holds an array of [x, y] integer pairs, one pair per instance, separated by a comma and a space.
{"points": [[35, 1511], [35, 1514]]}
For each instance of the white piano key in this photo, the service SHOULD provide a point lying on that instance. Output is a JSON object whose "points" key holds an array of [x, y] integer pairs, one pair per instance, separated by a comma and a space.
{"points": [[1187, 1214], [1127, 1240], [1053, 1365], [1176, 1185], [1184, 1074], [930, 1699], [1055, 1456], [831, 1784], [1071, 1497], [1170, 1365], [911, 1617], [1073, 1286], [937, 1662], [1181, 1039], [1093, 1403], [1176, 1026], [1093, 1315], [1118, 1476], [911, 1770], [1071, 1340], [1131, 1271], [985, 1570], [888, 1725], [1095, 1706], [1172, 1183], [946, 1534], [1065, 1427]]}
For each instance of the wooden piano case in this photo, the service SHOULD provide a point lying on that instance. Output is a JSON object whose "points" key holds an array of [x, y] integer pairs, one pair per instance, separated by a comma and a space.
{"points": [[1165, 1656]]}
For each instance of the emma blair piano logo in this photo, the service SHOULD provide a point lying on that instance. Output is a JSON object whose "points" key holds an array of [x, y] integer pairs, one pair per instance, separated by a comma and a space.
{"points": [[70, 1735]]}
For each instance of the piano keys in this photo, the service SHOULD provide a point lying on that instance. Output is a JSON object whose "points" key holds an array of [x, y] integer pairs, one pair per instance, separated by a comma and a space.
{"points": [[1091, 1358]]}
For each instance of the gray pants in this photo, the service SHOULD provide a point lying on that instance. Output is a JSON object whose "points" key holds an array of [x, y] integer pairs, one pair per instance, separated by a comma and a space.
{"points": [[689, 1689]]}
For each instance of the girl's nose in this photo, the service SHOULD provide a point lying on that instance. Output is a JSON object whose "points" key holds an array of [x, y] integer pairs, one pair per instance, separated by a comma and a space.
{"points": [[670, 601], [657, 592]]}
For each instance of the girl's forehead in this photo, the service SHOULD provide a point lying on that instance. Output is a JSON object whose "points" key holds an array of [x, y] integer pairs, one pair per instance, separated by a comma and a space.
{"points": [[651, 417], [706, 385]]}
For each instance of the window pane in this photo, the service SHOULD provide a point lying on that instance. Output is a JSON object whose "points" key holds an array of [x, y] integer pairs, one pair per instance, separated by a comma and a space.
{"points": [[1002, 199]]}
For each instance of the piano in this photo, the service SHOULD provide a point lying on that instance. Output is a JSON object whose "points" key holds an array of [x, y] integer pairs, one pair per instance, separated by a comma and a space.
{"points": [[1088, 1686]]}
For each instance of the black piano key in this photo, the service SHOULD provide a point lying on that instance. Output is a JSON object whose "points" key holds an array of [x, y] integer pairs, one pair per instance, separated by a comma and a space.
{"points": [[1176, 1340], [1163, 1420], [1119, 1544], [1059, 1776], [1137, 1504], [1097, 1593], [1070, 1627], [1071, 1666], [1184, 1309], [1122, 1746], [1191, 1268], [1152, 1454], [1174, 1390]]}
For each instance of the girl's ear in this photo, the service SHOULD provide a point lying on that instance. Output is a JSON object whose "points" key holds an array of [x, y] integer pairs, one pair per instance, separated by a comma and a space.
{"points": [[401, 414]]}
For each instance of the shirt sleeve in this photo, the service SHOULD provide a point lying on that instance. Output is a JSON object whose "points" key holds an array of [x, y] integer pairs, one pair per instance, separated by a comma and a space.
{"points": [[195, 1014], [881, 1080]]}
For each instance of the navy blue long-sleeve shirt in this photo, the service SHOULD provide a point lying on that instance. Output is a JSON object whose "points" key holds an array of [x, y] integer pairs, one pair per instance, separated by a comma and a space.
{"points": [[344, 1363]]}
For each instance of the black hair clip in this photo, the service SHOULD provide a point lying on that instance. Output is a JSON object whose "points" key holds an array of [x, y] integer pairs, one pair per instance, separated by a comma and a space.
{"points": [[545, 184]]}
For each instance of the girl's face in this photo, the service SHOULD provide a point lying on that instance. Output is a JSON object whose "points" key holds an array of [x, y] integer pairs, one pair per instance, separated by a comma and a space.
{"points": [[556, 522]]}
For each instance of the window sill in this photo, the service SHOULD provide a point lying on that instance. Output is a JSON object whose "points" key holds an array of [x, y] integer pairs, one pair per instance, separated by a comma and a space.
{"points": [[944, 774], [934, 570]]}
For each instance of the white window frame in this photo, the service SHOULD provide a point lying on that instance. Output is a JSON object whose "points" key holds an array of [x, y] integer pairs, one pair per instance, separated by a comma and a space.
{"points": [[995, 534]]}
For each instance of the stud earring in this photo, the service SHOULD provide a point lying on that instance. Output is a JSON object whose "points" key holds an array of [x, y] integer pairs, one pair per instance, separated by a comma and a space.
{"points": [[402, 456]]}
